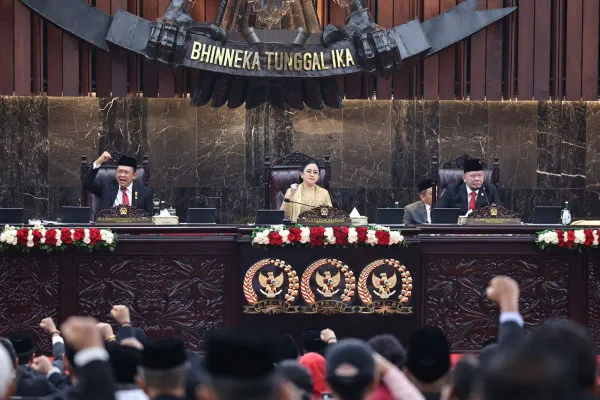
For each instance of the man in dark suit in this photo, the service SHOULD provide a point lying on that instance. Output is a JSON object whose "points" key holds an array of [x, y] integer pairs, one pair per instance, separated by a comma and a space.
{"points": [[419, 212], [472, 193], [122, 191]]}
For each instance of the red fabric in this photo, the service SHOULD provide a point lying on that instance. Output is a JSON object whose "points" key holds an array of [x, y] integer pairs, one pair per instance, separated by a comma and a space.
{"points": [[382, 393], [472, 202], [315, 363], [125, 197]]}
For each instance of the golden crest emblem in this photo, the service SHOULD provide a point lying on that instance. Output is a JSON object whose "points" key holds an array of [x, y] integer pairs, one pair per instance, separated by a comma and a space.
{"points": [[391, 284], [123, 211], [334, 281], [324, 212], [266, 279], [493, 212]]}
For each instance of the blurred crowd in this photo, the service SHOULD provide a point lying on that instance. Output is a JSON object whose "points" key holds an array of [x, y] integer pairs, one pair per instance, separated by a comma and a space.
{"points": [[556, 360]]}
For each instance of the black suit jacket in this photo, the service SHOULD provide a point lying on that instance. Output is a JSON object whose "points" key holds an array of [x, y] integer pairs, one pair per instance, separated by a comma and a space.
{"points": [[30, 383], [107, 192], [455, 196], [95, 381], [415, 213]]}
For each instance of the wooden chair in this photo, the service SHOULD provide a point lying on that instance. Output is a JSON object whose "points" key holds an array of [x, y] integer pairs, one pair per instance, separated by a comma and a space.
{"points": [[281, 174], [452, 171], [108, 172]]}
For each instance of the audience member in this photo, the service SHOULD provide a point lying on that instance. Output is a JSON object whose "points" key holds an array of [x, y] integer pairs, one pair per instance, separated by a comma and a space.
{"points": [[125, 361], [163, 371], [462, 380], [286, 348], [7, 375], [428, 361], [351, 370], [315, 364], [298, 375]]}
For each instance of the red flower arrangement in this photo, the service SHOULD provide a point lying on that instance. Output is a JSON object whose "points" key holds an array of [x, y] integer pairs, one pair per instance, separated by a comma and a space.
{"points": [[56, 239]]}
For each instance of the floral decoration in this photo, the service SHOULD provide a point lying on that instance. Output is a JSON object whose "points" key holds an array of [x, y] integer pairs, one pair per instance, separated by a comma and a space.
{"points": [[53, 239], [567, 239], [318, 236]]}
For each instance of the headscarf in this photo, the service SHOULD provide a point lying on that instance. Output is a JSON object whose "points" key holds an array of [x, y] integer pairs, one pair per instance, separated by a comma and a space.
{"points": [[315, 363]]}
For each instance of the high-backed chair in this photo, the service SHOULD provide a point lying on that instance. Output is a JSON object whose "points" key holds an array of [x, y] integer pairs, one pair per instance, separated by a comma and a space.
{"points": [[452, 171], [281, 174], [108, 171]]}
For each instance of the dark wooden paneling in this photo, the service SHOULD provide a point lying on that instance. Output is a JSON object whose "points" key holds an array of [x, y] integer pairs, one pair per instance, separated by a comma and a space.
{"points": [[54, 60], [401, 78], [149, 68], [447, 62], [589, 64], [541, 65], [557, 61], [166, 81], [336, 17], [431, 65], [493, 54], [526, 53], [118, 61], [385, 18], [573, 46], [70, 65], [133, 61], [22, 48], [37, 45], [7, 45], [103, 61], [509, 64], [478, 60]]}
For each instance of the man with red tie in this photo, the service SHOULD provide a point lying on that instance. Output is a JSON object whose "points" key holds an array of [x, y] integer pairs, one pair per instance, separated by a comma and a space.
{"points": [[122, 191], [472, 193]]}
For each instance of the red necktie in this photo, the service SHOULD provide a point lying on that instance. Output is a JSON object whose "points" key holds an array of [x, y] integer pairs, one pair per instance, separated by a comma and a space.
{"points": [[472, 202], [125, 197]]}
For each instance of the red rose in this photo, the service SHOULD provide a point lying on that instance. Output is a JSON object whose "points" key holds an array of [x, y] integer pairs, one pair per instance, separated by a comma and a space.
{"points": [[361, 232], [275, 239], [79, 234], [37, 235], [316, 241], [341, 235], [561, 238], [22, 235], [65, 236], [383, 238], [295, 235], [589, 237], [51, 237], [95, 234]]}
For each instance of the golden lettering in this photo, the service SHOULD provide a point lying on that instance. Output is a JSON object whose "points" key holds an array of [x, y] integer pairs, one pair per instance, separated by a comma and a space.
{"points": [[212, 54], [324, 66], [246, 62], [297, 61], [333, 59], [238, 59], [205, 53], [278, 61], [307, 62], [349, 59], [316, 62], [219, 53], [196, 50], [229, 58], [256, 61], [340, 60], [269, 54]]}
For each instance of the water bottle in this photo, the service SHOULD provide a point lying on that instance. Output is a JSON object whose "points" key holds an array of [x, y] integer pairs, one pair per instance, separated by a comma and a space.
{"points": [[396, 205], [565, 214]]}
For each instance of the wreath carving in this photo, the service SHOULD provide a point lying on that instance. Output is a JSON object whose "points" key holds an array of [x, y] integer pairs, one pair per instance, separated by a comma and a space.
{"points": [[293, 285], [363, 290], [349, 280]]}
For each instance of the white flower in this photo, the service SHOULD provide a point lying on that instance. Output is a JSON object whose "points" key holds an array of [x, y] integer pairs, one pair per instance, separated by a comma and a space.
{"points": [[14, 242], [262, 237], [58, 242], [284, 236], [352, 235], [3, 237], [86, 232], [305, 235], [30, 236], [329, 236], [30, 243], [57, 235], [395, 237], [579, 236], [371, 238], [43, 240], [108, 240], [86, 240], [595, 232]]}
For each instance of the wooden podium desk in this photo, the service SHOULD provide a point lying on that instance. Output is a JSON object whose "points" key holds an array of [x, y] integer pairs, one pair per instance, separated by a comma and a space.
{"points": [[187, 280]]}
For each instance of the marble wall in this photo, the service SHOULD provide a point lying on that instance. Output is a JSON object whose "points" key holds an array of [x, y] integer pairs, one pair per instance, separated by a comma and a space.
{"points": [[549, 152]]}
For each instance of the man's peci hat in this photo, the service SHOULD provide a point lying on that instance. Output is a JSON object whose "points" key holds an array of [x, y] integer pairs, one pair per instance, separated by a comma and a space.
{"points": [[473, 165], [428, 355], [128, 162], [424, 185], [164, 354], [22, 343]]}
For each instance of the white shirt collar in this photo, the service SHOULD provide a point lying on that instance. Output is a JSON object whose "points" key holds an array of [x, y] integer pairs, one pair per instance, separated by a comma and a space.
{"points": [[129, 187], [469, 191]]}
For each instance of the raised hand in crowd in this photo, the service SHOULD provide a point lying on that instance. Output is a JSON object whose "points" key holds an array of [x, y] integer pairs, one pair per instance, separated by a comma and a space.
{"points": [[42, 365], [328, 336], [49, 326], [106, 331], [120, 314], [504, 291]]}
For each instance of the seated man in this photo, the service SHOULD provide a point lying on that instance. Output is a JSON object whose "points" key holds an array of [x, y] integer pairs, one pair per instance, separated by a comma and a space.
{"points": [[419, 212], [472, 193], [122, 191]]}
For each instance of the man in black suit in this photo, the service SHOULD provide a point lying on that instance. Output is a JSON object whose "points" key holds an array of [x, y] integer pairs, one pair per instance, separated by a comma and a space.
{"points": [[470, 194], [122, 191], [419, 212]]}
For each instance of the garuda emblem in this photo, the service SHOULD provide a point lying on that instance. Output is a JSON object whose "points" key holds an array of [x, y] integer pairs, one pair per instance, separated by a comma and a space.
{"points": [[270, 284], [264, 285], [327, 284], [384, 285], [391, 284], [334, 281]]}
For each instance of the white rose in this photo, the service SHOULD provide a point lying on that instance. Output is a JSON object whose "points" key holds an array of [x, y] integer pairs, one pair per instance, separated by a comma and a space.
{"points": [[30, 243], [352, 235], [86, 240], [57, 235], [305, 235], [595, 238], [395, 237], [329, 236], [371, 238], [284, 236], [3, 237], [58, 243], [43, 240], [86, 233], [109, 240], [579, 237], [14, 242]]}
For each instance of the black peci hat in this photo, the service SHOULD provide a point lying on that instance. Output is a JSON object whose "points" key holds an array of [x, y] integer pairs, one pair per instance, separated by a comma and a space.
{"points": [[22, 343], [128, 162], [164, 354], [424, 185], [428, 355], [473, 165]]}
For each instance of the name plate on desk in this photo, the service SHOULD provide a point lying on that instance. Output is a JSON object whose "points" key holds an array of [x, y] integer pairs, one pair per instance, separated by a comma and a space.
{"points": [[324, 216], [124, 215], [493, 215]]}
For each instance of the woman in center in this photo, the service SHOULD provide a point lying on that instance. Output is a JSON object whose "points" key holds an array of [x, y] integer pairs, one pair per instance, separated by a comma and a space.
{"points": [[307, 192]]}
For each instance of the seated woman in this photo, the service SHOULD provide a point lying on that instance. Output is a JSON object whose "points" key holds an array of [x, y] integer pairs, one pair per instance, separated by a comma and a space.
{"points": [[308, 192]]}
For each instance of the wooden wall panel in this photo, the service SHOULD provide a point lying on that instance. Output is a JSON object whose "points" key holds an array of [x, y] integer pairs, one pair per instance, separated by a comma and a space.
{"points": [[150, 68], [7, 62], [402, 77], [103, 61], [431, 65], [54, 60], [478, 60], [70, 66], [166, 81], [574, 48], [493, 55], [22, 46], [525, 57], [447, 62], [541, 65], [509, 64], [337, 17], [557, 50], [118, 60], [38, 52], [385, 18], [133, 61], [589, 64]]}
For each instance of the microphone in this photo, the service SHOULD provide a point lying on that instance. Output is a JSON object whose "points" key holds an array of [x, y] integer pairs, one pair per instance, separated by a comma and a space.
{"points": [[286, 200], [485, 194]]}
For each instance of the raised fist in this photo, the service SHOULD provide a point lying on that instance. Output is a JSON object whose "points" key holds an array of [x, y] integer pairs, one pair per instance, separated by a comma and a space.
{"points": [[328, 336], [105, 330], [81, 333], [504, 291], [48, 325], [121, 314], [103, 158], [42, 365]]}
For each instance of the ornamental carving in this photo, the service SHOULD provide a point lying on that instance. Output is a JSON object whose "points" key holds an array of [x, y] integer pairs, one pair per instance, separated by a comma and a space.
{"points": [[385, 287], [29, 292], [166, 296], [494, 211], [593, 298], [270, 287], [328, 287], [119, 213], [455, 299]]}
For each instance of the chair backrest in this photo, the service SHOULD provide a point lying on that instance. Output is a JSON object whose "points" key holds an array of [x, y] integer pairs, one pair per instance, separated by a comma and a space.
{"points": [[281, 174], [108, 172], [452, 171]]}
